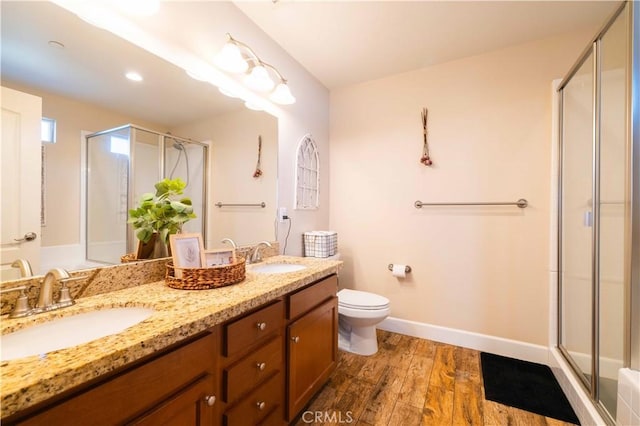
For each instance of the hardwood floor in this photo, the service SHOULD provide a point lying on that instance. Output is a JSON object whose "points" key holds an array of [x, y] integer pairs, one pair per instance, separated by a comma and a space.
{"points": [[412, 381]]}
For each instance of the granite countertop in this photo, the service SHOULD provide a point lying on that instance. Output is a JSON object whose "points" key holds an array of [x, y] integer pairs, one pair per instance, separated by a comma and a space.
{"points": [[178, 314]]}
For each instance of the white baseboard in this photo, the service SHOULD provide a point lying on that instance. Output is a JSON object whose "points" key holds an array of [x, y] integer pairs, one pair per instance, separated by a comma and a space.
{"points": [[467, 339]]}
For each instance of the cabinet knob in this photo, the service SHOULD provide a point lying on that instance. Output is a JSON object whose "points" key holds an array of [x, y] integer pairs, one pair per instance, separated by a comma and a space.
{"points": [[261, 366], [261, 325], [210, 400], [261, 405], [295, 339]]}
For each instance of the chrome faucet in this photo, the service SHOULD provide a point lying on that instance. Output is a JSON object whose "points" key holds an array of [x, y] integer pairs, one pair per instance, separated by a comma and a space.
{"points": [[255, 254], [45, 299], [230, 241], [24, 266]]}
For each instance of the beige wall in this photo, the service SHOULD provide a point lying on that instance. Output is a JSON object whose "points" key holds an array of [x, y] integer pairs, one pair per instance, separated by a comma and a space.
{"points": [[62, 203], [479, 269], [233, 152]]}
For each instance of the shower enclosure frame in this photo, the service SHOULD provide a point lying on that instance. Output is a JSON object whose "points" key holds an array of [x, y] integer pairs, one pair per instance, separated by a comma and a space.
{"points": [[161, 172], [631, 278]]}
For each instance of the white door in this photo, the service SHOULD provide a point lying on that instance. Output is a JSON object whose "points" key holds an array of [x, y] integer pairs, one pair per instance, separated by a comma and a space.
{"points": [[21, 160]]}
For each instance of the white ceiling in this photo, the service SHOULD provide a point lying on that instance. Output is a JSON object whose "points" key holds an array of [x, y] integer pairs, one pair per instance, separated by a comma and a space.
{"points": [[348, 42], [340, 43], [92, 65]]}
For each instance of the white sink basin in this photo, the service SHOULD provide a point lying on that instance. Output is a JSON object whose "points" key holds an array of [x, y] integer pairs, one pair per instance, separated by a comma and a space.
{"points": [[278, 268], [69, 331]]}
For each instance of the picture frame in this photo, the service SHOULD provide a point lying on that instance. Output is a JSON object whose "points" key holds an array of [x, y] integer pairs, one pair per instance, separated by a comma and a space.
{"points": [[187, 250], [219, 257]]}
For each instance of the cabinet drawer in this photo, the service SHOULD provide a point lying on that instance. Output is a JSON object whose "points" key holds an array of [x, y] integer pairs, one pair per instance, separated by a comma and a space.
{"points": [[305, 299], [251, 329], [252, 369], [257, 405]]}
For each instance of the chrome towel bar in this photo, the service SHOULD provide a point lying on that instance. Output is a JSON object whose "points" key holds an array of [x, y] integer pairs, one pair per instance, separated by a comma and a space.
{"points": [[521, 203], [262, 204]]}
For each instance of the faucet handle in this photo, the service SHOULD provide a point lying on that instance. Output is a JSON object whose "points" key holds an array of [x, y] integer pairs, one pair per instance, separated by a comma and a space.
{"points": [[65, 297], [22, 308]]}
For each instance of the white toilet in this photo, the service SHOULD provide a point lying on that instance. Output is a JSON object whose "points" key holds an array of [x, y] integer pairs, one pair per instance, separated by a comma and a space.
{"points": [[358, 314]]}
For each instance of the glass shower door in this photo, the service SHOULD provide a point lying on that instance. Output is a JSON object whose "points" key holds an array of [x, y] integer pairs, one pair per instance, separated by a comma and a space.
{"points": [[108, 156], [576, 223], [187, 160], [613, 49]]}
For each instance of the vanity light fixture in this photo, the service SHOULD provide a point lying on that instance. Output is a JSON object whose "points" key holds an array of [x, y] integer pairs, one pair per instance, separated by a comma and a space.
{"points": [[237, 57]]}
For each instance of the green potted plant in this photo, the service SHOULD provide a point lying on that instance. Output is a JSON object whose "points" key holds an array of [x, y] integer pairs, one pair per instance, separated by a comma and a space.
{"points": [[160, 215]]}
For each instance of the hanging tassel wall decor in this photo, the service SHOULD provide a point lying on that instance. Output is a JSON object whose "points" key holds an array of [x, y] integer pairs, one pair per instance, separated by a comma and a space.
{"points": [[258, 171], [425, 159]]}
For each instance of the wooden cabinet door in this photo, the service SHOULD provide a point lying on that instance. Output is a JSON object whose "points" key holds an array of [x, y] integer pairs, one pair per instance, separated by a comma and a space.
{"points": [[194, 406], [312, 342], [131, 393]]}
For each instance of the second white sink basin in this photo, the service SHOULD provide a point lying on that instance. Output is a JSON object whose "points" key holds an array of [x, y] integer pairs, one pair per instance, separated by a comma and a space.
{"points": [[278, 268], [69, 331]]}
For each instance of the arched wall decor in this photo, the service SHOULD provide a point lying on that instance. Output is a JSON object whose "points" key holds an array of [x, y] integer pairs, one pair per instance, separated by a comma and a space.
{"points": [[307, 174]]}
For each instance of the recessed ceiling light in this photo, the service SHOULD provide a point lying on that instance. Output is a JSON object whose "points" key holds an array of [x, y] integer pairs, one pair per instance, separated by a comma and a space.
{"points": [[133, 76], [56, 44]]}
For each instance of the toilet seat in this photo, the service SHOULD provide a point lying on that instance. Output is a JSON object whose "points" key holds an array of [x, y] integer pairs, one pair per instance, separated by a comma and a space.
{"points": [[361, 300]]}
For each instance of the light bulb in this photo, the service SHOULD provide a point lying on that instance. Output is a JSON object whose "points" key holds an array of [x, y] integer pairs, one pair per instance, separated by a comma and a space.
{"points": [[282, 95], [228, 92], [230, 59], [259, 79], [253, 106]]}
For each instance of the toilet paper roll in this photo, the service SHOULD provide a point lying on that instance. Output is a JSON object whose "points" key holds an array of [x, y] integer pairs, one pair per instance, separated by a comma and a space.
{"points": [[399, 271]]}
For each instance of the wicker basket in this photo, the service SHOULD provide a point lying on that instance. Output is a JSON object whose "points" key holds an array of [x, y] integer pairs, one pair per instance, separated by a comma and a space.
{"points": [[206, 278], [129, 257]]}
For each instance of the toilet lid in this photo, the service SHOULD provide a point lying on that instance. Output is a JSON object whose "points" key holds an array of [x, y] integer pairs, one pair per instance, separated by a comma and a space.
{"points": [[361, 299]]}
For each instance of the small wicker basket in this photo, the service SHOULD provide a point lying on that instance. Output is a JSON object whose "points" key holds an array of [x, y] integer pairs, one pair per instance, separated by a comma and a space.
{"points": [[206, 278], [129, 257]]}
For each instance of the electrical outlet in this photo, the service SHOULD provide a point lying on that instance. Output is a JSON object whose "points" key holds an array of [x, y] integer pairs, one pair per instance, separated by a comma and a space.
{"points": [[282, 212]]}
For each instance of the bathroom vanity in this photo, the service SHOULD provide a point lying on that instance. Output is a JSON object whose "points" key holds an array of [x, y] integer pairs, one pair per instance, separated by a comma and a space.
{"points": [[255, 352]]}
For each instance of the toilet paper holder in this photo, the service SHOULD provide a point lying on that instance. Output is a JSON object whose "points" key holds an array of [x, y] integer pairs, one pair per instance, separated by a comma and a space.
{"points": [[407, 268]]}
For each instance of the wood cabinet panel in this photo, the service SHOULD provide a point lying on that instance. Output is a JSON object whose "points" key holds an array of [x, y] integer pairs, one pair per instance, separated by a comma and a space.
{"points": [[313, 354], [257, 405], [134, 391], [252, 369], [251, 329], [189, 407], [309, 297]]}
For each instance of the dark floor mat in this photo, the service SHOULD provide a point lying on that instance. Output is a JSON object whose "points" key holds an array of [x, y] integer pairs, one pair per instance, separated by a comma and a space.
{"points": [[525, 385]]}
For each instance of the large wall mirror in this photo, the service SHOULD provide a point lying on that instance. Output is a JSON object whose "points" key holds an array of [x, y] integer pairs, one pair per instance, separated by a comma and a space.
{"points": [[78, 71]]}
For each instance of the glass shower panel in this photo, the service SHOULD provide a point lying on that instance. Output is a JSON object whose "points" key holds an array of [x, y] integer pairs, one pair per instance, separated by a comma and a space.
{"points": [[187, 161], [107, 188], [577, 218], [613, 50], [146, 170]]}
